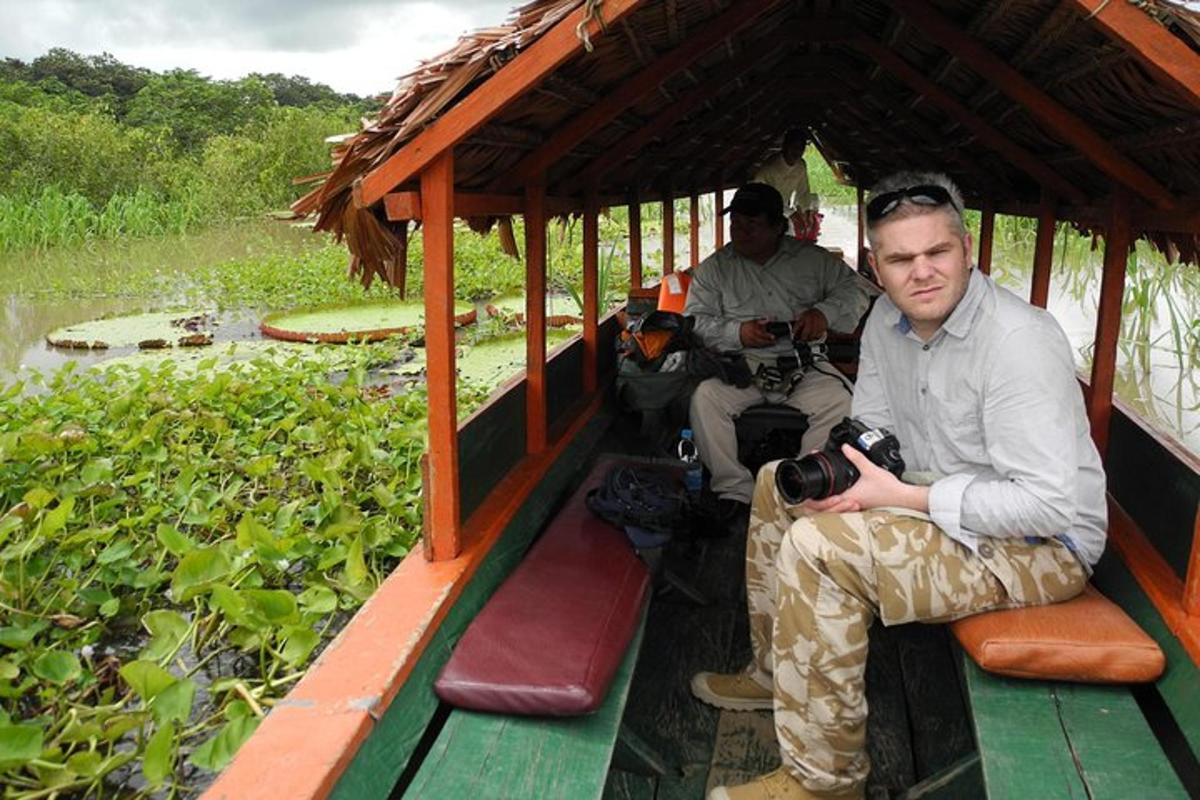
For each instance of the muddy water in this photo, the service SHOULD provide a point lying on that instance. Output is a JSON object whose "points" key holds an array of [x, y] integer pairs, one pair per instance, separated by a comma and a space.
{"points": [[25, 319]]}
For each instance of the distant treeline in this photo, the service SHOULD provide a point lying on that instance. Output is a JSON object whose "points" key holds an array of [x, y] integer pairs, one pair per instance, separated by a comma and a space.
{"points": [[92, 147]]}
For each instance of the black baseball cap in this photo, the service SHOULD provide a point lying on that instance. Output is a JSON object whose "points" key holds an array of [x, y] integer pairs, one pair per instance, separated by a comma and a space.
{"points": [[754, 199]]}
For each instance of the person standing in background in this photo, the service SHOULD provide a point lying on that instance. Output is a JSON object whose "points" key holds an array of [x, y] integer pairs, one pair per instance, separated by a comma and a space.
{"points": [[788, 173]]}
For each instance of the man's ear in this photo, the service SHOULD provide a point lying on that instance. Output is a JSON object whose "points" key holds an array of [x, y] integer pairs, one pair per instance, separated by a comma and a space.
{"points": [[874, 266], [969, 250]]}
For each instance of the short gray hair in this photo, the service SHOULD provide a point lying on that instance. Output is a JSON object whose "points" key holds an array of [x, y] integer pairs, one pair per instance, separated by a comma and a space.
{"points": [[907, 208]]}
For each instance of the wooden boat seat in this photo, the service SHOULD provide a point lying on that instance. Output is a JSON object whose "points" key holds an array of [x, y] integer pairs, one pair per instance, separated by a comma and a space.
{"points": [[554, 652], [550, 639], [1087, 639], [1064, 738]]}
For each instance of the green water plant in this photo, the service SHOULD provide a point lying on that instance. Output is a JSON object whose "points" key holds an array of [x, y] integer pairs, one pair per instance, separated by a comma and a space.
{"points": [[175, 548]]}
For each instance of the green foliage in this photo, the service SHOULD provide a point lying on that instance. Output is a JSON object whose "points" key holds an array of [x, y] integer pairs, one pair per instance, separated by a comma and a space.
{"points": [[193, 108], [232, 514]]}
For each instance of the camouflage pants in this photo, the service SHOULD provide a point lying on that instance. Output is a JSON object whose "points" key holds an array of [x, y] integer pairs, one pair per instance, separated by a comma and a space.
{"points": [[816, 583]]}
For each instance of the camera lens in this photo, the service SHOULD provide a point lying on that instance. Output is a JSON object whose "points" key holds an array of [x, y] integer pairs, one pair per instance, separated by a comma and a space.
{"points": [[814, 477]]}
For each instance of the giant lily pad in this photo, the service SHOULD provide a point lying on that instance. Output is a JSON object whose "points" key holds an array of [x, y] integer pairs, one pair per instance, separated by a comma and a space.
{"points": [[155, 330], [358, 323]]}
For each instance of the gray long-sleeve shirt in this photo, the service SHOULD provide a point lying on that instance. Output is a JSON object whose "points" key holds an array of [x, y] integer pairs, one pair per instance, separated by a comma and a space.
{"points": [[728, 289], [992, 404]]}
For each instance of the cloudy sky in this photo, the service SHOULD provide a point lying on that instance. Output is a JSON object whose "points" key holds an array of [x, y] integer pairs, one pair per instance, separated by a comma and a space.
{"points": [[358, 46]]}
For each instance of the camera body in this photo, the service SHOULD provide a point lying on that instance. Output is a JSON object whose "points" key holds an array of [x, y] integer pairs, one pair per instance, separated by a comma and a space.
{"points": [[829, 472], [780, 330]]}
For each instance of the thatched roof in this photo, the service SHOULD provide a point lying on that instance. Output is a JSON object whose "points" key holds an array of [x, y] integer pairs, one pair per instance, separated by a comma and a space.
{"points": [[881, 85]]}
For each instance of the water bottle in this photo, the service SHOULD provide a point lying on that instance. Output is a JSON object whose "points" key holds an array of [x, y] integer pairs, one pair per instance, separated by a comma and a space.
{"points": [[693, 474]]}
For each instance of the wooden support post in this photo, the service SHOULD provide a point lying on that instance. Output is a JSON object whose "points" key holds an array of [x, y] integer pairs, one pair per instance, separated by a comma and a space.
{"points": [[535, 317], [443, 529], [861, 253], [987, 230], [1108, 317], [1043, 252], [718, 217], [694, 228], [1191, 586], [591, 286], [668, 232], [635, 241]]}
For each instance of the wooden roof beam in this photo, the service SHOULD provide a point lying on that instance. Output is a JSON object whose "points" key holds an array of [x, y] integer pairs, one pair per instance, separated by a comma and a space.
{"points": [[1185, 218], [680, 109], [1172, 134], [987, 135], [645, 81], [1170, 61], [514, 79], [1057, 119]]}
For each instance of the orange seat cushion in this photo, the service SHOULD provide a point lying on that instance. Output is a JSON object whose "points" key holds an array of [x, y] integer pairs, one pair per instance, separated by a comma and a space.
{"points": [[1087, 639]]}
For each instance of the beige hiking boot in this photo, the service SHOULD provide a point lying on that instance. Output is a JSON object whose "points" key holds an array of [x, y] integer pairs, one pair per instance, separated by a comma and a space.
{"points": [[778, 785], [737, 692]]}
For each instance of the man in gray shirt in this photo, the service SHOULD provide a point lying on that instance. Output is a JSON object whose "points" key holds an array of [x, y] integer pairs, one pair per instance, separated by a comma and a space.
{"points": [[980, 389], [764, 276]]}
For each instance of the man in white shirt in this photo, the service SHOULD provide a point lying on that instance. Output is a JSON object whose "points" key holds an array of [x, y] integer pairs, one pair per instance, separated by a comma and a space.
{"points": [[979, 387], [788, 173]]}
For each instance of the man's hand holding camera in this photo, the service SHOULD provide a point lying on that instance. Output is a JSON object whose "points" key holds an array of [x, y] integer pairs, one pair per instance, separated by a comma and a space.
{"points": [[807, 327], [875, 488]]}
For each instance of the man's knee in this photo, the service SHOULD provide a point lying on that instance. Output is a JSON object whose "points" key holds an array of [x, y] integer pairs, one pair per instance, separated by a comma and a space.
{"points": [[706, 398], [819, 538]]}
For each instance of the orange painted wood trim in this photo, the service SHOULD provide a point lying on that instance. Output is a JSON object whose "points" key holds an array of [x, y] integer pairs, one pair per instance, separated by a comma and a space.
{"points": [[442, 524], [1058, 120], [698, 42], [635, 241], [1043, 253], [535, 317], [1164, 56], [591, 291], [1155, 576], [518, 76], [987, 235], [407, 205], [668, 233], [1021, 158], [694, 229], [1108, 319], [309, 739], [1191, 584]]}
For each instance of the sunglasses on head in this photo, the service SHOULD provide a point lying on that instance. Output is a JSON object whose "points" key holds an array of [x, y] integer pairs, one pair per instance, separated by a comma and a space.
{"points": [[924, 195]]}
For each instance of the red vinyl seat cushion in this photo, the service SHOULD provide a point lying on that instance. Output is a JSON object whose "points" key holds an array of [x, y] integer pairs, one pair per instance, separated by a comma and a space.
{"points": [[550, 639]]}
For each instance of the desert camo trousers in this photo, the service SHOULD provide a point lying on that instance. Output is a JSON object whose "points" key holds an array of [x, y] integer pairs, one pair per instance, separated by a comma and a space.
{"points": [[814, 585]]}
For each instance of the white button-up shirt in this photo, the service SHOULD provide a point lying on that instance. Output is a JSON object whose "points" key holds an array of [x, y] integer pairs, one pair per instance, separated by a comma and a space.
{"points": [[991, 404], [728, 289]]}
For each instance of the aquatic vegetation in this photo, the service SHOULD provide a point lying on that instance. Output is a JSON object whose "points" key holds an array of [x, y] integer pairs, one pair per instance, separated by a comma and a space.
{"points": [[356, 322], [175, 547], [152, 331]]}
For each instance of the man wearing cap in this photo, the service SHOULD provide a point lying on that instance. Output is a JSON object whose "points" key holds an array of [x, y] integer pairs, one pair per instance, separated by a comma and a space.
{"points": [[764, 276], [1008, 509]]}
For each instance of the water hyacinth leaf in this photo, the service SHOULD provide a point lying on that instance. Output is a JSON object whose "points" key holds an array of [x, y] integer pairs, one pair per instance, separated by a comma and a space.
{"points": [[87, 763], [8, 525], [38, 498], [356, 565], [8, 672], [110, 607], [174, 703], [318, 599], [56, 518], [146, 678], [117, 551], [19, 744], [98, 470], [158, 760], [218, 751], [253, 534], [177, 544], [168, 628], [18, 636], [300, 643], [273, 606], [57, 667], [197, 570]]}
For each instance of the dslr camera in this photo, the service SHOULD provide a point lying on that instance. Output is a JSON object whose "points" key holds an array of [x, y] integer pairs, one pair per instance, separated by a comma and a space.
{"points": [[828, 472]]}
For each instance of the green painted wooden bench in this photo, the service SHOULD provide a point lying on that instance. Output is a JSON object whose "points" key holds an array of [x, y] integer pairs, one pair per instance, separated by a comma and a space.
{"points": [[1046, 740], [484, 756]]}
